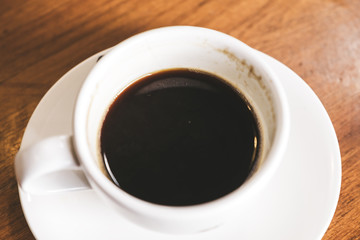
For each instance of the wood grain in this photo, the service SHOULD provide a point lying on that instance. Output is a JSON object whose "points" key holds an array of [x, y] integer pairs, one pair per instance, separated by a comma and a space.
{"points": [[319, 39]]}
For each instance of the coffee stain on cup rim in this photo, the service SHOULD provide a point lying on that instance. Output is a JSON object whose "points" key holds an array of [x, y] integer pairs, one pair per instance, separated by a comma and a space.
{"points": [[241, 65]]}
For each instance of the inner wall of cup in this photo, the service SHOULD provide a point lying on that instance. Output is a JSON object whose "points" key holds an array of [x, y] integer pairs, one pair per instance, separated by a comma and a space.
{"points": [[125, 65]]}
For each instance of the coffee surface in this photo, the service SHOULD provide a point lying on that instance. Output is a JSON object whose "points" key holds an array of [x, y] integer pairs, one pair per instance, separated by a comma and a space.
{"points": [[179, 137]]}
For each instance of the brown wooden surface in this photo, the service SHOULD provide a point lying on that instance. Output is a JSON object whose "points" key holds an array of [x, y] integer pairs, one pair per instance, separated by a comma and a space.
{"points": [[41, 40]]}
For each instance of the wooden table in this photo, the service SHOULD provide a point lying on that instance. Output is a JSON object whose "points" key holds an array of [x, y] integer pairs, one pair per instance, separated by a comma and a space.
{"points": [[319, 39]]}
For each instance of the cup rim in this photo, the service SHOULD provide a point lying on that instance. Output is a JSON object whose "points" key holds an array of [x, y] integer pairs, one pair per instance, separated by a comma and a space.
{"points": [[247, 189]]}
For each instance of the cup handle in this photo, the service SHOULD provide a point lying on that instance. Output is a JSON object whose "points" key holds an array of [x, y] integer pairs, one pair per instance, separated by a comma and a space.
{"points": [[50, 166]]}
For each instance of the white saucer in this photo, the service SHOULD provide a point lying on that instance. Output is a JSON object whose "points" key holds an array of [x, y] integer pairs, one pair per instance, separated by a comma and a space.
{"points": [[298, 203]]}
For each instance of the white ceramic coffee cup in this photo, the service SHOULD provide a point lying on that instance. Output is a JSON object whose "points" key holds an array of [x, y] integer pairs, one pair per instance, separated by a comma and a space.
{"points": [[73, 163]]}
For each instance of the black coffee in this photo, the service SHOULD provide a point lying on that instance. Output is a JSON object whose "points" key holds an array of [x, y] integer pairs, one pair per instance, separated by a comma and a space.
{"points": [[179, 137]]}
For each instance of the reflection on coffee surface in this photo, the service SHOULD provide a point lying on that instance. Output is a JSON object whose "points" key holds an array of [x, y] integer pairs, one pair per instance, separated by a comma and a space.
{"points": [[179, 137]]}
